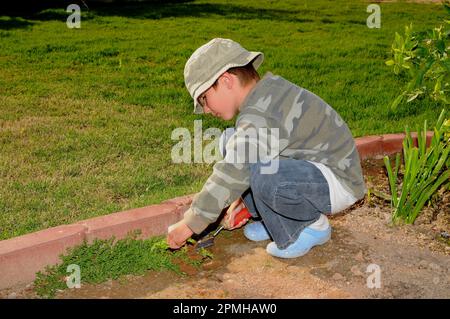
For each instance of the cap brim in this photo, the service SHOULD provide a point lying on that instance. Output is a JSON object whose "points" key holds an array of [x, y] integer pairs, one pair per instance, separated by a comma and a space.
{"points": [[256, 57]]}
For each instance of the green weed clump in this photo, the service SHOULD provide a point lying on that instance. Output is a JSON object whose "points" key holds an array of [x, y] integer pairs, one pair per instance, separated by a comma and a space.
{"points": [[110, 259], [425, 170]]}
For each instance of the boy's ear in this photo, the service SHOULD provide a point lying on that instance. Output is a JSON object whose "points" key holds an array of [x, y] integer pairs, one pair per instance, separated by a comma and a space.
{"points": [[227, 79]]}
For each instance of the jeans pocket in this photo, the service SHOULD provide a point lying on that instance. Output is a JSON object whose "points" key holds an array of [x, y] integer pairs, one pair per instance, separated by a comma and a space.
{"points": [[306, 199]]}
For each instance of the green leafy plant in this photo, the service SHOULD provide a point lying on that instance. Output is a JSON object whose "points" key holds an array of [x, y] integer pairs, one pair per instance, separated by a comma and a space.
{"points": [[205, 253], [110, 259], [423, 57], [425, 170]]}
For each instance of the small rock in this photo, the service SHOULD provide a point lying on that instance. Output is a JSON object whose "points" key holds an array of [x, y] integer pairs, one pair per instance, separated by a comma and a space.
{"points": [[330, 264], [338, 276], [12, 295], [359, 256], [423, 264], [355, 271], [226, 276]]}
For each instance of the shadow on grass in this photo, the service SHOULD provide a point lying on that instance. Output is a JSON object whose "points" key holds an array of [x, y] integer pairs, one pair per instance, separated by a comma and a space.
{"points": [[197, 10], [151, 9], [14, 23]]}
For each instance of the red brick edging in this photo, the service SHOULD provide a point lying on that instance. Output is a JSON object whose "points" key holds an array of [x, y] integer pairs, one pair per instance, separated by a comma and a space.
{"points": [[21, 257]]}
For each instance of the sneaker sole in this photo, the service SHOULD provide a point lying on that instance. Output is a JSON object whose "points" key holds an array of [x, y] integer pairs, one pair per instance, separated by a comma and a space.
{"points": [[307, 251]]}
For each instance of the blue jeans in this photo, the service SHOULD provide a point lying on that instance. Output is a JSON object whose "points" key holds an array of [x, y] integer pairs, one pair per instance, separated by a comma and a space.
{"points": [[288, 200]]}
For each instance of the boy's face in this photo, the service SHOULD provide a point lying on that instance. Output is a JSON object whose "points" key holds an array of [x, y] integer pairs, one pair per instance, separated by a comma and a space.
{"points": [[221, 101]]}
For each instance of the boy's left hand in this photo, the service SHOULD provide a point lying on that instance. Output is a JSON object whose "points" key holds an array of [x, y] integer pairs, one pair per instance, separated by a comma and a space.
{"points": [[178, 236]]}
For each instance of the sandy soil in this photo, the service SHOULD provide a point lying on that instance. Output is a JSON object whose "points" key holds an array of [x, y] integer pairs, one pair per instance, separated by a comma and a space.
{"points": [[414, 261]]}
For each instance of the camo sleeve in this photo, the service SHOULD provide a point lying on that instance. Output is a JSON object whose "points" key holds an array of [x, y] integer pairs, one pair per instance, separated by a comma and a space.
{"points": [[231, 175]]}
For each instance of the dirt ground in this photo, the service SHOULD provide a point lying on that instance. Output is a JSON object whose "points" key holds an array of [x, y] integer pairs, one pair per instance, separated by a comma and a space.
{"points": [[413, 261]]}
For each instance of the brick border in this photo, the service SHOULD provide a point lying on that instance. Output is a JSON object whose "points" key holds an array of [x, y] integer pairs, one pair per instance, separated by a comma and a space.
{"points": [[375, 146], [21, 257]]}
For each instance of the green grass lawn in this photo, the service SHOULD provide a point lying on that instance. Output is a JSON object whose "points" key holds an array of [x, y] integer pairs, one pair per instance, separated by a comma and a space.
{"points": [[86, 114]]}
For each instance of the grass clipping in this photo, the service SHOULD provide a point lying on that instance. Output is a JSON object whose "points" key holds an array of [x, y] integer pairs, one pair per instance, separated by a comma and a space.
{"points": [[110, 259]]}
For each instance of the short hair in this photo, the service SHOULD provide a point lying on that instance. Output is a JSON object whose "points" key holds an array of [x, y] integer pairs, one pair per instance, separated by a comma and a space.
{"points": [[245, 74]]}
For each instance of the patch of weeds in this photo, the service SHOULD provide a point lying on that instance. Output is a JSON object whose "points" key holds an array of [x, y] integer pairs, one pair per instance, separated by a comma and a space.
{"points": [[197, 257], [205, 253], [102, 260], [227, 234]]}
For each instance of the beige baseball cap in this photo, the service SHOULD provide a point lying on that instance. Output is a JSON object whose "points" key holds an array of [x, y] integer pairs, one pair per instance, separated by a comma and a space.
{"points": [[210, 61]]}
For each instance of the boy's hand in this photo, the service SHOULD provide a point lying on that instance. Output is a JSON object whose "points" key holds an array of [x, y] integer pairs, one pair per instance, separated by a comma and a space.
{"points": [[228, 220], [178, 236]]}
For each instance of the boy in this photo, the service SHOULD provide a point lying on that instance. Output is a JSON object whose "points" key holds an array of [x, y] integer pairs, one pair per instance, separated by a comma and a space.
{"points": [[318, 169]]}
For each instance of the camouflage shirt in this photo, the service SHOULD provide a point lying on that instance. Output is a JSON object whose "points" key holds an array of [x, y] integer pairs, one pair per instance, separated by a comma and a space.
{"points": [[308, 129]]}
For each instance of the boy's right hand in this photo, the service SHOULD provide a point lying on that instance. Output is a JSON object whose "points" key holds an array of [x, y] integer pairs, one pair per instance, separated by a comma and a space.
{"points": [[232, 211]]}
